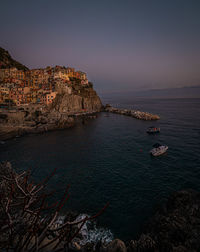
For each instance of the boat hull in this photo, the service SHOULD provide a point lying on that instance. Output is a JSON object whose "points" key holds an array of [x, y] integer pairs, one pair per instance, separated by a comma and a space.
{"points": [[153, 132], [159, 151]]}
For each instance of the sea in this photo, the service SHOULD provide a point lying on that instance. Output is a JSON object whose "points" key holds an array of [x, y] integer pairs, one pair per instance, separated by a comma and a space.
{"points": [[107, 160]]}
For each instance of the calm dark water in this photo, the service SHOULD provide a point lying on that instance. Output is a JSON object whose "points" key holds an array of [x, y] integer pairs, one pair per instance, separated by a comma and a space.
{"points": [[107, 159]]}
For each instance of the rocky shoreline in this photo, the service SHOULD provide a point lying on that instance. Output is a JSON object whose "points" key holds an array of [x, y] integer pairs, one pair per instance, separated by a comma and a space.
{"points": [[35, 119], [41, 123], [133, 113]]}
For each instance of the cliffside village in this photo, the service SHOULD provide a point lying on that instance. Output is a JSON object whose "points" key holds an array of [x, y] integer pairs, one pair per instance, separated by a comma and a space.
{"points": [[40, 86]]}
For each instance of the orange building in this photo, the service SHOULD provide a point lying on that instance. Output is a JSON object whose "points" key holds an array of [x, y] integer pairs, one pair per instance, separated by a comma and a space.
{"points": [[48, 97]]}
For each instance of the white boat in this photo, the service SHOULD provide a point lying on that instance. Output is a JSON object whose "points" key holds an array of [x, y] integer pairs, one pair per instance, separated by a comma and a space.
{"points": [[158, 150]]}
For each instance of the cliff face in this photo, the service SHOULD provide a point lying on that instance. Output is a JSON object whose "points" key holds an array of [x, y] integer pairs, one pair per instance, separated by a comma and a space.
{"points": [[6, 61], [81, 99]]}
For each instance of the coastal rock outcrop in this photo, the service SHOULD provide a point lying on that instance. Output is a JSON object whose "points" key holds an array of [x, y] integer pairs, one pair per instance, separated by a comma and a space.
{"points": [[82, 99], [33, 119], [133, 113]]}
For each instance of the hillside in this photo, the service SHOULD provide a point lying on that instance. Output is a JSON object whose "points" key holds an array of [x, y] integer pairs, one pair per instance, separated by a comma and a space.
{"points": [[6, 61]]}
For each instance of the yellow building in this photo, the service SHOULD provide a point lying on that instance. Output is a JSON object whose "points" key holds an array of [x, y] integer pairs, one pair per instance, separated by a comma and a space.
{"points": [[61, 75]]}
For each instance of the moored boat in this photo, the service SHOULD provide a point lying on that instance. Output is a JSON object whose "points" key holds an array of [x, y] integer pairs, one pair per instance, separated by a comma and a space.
{"points": [[153, 129], [158, 150]]}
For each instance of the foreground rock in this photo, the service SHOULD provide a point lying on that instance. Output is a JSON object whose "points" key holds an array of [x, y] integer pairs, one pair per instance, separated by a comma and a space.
{"points": [[117, 246], [174, 227], [133, 113]]}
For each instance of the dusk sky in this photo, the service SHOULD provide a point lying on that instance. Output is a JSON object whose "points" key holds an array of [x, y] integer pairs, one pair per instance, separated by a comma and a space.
{"points": [[122, 45]]}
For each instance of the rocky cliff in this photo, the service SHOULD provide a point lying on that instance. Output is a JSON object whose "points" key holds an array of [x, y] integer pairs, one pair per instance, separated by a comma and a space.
{"points": [[33, 119], [80, 99]]}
